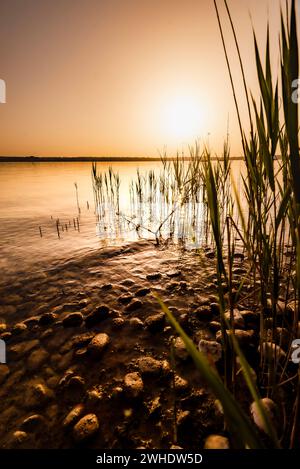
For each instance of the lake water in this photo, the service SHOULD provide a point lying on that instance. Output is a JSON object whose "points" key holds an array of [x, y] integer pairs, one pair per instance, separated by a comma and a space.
{"points": [[34, 195]]}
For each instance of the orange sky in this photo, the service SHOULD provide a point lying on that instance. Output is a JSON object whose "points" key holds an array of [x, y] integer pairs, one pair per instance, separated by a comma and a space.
{"points": [[120, 77]]}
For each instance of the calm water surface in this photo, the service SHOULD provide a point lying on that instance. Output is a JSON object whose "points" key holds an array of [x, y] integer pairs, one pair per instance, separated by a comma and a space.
{"points": [[34, 195]]}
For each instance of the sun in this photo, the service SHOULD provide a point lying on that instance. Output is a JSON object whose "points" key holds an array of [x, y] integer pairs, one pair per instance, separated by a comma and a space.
{"points": [[183, 119]]}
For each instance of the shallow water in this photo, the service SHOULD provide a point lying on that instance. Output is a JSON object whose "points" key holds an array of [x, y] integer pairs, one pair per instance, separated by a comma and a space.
{"points": [[34, 195]]}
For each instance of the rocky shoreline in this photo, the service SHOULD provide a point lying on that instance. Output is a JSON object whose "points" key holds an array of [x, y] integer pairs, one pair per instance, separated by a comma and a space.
{"points": [[89, 359]]}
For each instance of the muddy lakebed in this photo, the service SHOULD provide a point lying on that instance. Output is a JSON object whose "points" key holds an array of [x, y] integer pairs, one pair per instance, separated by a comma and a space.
{"points": [[89, 359]]}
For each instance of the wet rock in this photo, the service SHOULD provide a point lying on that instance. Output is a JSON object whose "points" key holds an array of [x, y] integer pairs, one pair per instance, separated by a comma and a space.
{"points": [[4, 372], [271, 410], [125, 299], [19, 328], [128, 282], [151, 366], [211, 348], [180, 350], [37, 395], [98, 344], [100, 314], [214, 326], [133, 384], [80, 354], [142, 292], [244, 338], [174, 273], [17, 439], [47, 318], [154, 276], [155, 322], [5, 336], [82, 340], [216, 442], [74, 388], [180, 383], [137, 323], [86, 427], [203, 312], [117, 323], [136, 304], [73, 320], [251, 318], [173, 286], [36, 359], [23, 348], [215, 308], [95, 395], [183, 419], [238, 320], [73, 416], [32, 423]]}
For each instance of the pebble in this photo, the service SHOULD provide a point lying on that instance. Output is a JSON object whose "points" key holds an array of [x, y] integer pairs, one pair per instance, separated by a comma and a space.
{"points": [[142, 292], [100, 314], [117, 323], [155, 322], [154, 276], [36, 359], [136, 323], [180, 350], [181, 384], [203, 312], [31, 423], [244, 338], [37, 395], [47, 319], [73, 415], [82, 340], [211, 348], [136, 304], [73, 320], [271, 411], [174, 273], [216, 442], [214, 326], [238, 320], [19, 328], [133, 384], [98, 344], [251, 318], [18, 438], [23, 348], [215, 308], [125, 299], [151, 366], [86, 427]]}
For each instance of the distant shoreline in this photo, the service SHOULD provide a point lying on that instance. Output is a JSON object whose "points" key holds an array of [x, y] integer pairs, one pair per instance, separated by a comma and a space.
{"points": [[84, 159]]}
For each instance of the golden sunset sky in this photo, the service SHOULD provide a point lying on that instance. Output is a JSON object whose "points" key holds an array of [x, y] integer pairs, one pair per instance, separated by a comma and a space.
{"points": [[123, 77]]}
